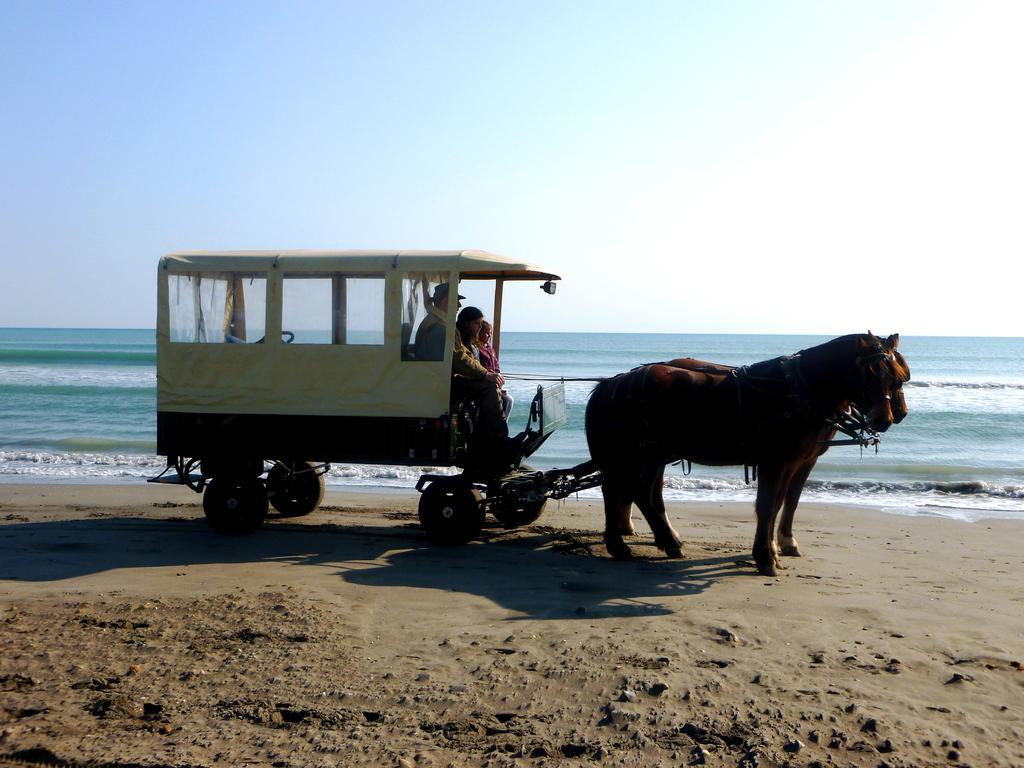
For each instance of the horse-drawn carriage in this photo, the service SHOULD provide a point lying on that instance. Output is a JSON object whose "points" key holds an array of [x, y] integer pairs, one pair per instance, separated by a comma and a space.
{"points": [[271, 365]]}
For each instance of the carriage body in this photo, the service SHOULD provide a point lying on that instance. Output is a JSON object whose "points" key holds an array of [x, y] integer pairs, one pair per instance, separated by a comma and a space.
{"points": [[235, 376], [308, 357]]}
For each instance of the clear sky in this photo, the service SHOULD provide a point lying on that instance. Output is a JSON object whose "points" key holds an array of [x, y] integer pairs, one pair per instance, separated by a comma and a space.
{"points": [[804, 167]]}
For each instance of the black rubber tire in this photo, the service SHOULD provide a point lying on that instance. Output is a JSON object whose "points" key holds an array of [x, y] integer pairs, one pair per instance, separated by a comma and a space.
{"points": [[514, 515], [450, 512], [234, 507], [295, 493]]}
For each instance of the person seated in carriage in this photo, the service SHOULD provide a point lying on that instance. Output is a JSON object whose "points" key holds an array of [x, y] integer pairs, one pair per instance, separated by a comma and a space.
{"points": [[476, 335], [429, 343], [470, 379]]}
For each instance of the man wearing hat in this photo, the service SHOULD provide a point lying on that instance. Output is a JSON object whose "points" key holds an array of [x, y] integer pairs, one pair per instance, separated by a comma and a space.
{"points": [[430, 335], [471, 380]]}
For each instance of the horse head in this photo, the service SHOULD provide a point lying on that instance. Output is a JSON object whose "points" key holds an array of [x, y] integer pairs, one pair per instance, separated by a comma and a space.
{"points": [[877, 377]]}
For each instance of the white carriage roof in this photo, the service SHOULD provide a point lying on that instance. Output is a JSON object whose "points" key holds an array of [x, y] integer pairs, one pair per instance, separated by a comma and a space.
{"points": [[470, 264]]}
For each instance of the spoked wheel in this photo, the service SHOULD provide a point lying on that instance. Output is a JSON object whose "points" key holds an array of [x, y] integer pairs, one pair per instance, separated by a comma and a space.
{"points": [[450, 512], [513, 513], [235, 506], [295, 488]]}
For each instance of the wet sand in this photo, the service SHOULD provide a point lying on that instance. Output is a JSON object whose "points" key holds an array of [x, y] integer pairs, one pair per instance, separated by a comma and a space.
{"points": [[133, 634]]}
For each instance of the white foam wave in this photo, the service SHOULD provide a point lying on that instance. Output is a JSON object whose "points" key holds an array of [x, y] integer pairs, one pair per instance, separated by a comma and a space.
{"points": [[43, 465], [69, 376], [973, 500]]}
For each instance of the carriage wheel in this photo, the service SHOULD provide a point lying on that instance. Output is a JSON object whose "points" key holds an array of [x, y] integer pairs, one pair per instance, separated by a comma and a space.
{"points": [[233, 506], [514, 513], [295, 488], [450, 512]]}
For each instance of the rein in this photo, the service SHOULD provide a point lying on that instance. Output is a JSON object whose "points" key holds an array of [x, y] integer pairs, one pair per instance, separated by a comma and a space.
{"points": [[544, 377]]}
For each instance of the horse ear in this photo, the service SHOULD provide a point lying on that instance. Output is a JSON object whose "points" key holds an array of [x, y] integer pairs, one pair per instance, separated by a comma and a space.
{"points": [[893, 341]]}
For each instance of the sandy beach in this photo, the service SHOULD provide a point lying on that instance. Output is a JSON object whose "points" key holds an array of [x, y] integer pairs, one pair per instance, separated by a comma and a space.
{"points": [[132, 634]]}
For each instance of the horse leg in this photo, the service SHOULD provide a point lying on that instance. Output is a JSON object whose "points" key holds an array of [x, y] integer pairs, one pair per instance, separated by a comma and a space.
{"points": [[617, 503], [651, 502], [625, 521], [787, 543], [771, 485], [788, 474]]}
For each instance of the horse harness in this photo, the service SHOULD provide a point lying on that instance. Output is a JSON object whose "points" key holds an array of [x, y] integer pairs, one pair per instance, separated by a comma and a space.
{"points": [[632, 388]]}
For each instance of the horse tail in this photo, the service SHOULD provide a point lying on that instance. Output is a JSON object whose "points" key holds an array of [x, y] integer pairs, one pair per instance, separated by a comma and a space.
{"points": [[595, 415], [596, 395], [607, 419]]}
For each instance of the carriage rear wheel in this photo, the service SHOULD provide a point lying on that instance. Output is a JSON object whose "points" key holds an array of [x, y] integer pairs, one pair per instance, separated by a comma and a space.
{"points": [[515, 513], [235, 506], [295, 488], [450, 512]]}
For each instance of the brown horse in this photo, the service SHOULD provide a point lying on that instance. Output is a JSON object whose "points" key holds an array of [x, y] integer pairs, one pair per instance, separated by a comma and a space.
{"points": [[774, 415]]}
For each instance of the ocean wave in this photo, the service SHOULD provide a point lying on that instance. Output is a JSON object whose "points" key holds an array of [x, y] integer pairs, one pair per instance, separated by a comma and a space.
{"points": [[78, 390], [852, 487], [947, 487], [69, 465], [965, 384], [77, 357]]}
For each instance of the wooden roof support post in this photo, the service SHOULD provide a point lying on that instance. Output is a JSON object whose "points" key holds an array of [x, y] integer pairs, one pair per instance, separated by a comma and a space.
{"points": [[339, 310], [499, 288]]}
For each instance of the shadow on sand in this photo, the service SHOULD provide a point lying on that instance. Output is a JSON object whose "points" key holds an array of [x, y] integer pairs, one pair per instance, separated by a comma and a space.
{"points": [[539, 573]]}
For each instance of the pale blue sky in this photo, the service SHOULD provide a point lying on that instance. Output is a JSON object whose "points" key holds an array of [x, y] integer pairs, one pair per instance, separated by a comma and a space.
{"points": [[686, 166]]}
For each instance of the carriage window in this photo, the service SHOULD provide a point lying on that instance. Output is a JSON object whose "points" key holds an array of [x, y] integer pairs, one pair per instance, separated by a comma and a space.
{"points": [[217, 308], [424, 315], [306, 309], [333, 309], [361, 310]]}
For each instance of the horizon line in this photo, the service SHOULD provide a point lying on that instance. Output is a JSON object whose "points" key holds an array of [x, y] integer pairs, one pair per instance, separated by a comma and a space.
{"points": [[603, 333]]}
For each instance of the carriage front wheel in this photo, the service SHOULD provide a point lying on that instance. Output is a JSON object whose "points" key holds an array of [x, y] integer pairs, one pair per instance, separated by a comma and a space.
{"points": [[235, 506], [514, 513], [295, 488], [450, 512]]}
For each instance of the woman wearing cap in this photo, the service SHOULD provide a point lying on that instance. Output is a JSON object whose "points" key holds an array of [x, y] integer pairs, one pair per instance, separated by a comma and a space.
{"points": [[470, 324]]}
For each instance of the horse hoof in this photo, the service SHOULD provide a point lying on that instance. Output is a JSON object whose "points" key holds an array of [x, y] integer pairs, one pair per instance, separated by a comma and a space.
{"points": [[791, 550], [674, 553], [767, 568], [622, 553]]}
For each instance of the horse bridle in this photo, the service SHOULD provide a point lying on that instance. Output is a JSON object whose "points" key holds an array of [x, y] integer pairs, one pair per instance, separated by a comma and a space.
{"points": [[854, 423], [863, 360]]}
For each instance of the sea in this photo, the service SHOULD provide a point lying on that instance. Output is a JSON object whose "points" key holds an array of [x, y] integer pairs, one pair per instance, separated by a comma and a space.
{"points": [[79, 406]]}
